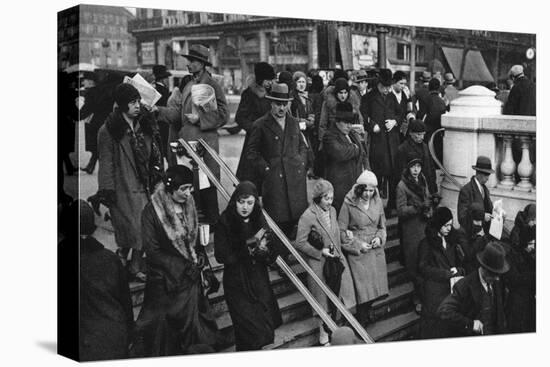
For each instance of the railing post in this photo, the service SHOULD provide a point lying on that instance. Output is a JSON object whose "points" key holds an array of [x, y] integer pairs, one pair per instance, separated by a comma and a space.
{"points": [[507, 166], [525, 167]]}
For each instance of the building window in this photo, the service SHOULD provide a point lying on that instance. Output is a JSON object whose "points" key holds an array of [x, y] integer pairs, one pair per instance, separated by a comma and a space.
{"points": [[119, 61], [172, 12], [403, 52], [118, 46], [96, 44], [193, 18], [215, 18], [420, 53], [157, 13]]}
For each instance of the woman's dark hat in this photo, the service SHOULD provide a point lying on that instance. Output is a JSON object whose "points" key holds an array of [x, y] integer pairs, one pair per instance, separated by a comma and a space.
{"points": [[344, 112], [176, 176], [200, 53], [279, 92], [125, 93], [483, 164], [441, 216], [340, 84], [263, 71], [493, 258], [417, 126], [160, 72], [385, 77], [413, 158]]}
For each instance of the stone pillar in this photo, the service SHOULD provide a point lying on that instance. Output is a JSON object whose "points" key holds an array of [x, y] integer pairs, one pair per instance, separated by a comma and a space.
{"points": [[507, 166], [263, 46], [525, 167]]}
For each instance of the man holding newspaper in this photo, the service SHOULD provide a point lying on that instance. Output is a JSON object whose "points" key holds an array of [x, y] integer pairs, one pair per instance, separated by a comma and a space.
{"points": [[194, 112]]}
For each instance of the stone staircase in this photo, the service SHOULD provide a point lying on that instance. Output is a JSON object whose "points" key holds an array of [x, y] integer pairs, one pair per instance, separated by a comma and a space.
{"points": [[393, 317]]}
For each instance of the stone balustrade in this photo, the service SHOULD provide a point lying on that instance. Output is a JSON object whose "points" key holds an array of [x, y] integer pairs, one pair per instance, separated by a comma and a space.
{"points": [[475, 126]]}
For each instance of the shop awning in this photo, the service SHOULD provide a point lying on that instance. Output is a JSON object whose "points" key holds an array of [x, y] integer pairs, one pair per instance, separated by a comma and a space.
{"points": [[475, 69]]}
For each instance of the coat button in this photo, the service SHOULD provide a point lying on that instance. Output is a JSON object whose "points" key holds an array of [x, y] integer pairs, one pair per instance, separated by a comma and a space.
{"points": [[281, 175], [276, 138]]}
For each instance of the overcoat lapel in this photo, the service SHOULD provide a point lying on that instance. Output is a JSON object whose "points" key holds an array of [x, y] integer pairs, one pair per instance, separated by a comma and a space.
{"points": [[328, 231], [127, 150], [274, 127]]}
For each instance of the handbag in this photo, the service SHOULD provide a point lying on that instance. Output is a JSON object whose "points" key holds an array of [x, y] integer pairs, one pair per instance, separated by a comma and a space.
{"points": [[315, 239], [210, 283]]}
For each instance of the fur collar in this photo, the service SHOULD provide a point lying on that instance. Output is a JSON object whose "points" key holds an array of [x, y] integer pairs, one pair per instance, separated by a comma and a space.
{"points": [[117, 125], [182, 234], [256, 89]]}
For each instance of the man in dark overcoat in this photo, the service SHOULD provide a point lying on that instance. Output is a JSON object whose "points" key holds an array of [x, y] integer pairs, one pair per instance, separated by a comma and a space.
{"points": [[383, 110], [437, 106], [190, 122], [474, 237], [280, 155], [476, 305], [345, 154], [415, 145], [422, 95], [476, 191], [522, 99], [252, 106]]}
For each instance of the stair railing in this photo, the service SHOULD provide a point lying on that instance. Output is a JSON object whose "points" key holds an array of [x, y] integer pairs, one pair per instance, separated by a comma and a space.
{"points": [[282, 264], [335, 300], [436, 160]]}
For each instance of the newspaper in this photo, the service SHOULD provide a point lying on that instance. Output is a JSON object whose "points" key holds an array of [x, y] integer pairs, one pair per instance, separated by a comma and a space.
{"points": [[497, 223], [149, 95]]}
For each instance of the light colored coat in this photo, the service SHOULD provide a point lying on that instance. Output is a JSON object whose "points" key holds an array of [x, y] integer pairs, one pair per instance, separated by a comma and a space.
{"points": [[311, 219], [368, 269], [180, 103]]}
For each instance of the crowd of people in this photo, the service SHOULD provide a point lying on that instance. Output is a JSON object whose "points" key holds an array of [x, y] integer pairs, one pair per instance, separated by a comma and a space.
{"points": [[363, 139]]}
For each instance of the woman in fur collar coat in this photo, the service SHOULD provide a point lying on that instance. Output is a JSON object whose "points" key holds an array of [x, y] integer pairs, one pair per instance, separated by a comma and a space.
{"points": [[241, 245], [413, 209], [175, 313], [130, 165], [338, 93]]}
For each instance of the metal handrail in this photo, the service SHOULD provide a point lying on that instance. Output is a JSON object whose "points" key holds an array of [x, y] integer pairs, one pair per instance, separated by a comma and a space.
{"points": [[282, 264], [436, 160], [349, 317]]}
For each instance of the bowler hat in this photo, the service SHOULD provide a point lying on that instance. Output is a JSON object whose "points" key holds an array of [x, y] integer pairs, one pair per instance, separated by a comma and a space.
{"points": [[344, 112], [279, 92], [160, 72], [483, 164], [493, 258], [200, 53], [426, 76], [449, 78], [385, 77]]}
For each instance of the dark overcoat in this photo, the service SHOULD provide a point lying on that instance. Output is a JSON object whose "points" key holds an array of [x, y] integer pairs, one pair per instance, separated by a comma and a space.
{"points": [[328, 110], [252, 106], [118, 172], [522, 99], [345, 160], [247, 288], [434, 265], [106, 317], [175, 313], [311, 220], [280, 160], [383, 144], [462, 307], [368, 269], [469, 194], [408, 148], [412, 225]]}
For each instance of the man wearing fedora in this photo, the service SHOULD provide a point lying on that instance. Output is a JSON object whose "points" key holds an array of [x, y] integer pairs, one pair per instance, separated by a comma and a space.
{"points": [[279, 153], [161, 85], [475, 191], [476, 304], [450, 91], [192, 123], [360, 83], [252, 106]]}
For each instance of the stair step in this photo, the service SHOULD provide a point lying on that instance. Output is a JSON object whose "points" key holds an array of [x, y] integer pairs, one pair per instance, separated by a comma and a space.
{"points": [[400, 299], [398, 327]]}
